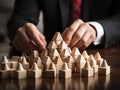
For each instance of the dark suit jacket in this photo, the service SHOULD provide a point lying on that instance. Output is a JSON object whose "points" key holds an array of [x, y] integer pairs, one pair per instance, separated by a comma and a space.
{"points": [[56, 16]]}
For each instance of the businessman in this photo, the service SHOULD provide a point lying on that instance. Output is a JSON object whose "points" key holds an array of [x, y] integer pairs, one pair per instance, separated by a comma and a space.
{"points": [[94, 22]]}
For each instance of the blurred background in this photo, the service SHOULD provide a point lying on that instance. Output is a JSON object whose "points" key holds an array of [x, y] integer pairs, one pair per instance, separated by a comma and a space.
{"points": [[6, 8]]}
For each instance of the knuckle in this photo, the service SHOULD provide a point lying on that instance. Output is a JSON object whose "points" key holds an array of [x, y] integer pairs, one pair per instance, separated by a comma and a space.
{"points": [[66, 38], [28, 24], [79, 20], [85, 24], [19, 30], [43, 37], [78, 36], [71, 29]]}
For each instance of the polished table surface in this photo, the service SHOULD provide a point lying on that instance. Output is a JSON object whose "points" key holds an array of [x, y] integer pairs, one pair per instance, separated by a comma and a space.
{"points": [[109, 82]]}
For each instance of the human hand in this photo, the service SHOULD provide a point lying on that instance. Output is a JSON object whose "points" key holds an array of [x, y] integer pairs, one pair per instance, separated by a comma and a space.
{"points": [[28, 38], [79, 34]]}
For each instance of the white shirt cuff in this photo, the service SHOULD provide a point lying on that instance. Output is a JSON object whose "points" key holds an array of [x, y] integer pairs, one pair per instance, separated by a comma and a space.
{"points": [[100, 32]]}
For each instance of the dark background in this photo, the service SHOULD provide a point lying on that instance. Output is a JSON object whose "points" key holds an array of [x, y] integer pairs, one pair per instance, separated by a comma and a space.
{"points": [[6, 7]]}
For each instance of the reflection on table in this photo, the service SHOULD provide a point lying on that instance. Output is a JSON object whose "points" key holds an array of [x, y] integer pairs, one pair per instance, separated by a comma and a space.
{"points": [[96, 82]]}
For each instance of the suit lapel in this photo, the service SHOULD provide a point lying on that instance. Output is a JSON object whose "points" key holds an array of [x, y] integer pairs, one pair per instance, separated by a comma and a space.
{"points": [[86, 8], [64, 9]]}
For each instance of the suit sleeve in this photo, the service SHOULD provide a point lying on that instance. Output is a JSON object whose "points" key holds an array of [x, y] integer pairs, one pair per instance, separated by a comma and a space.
{"points": [[24, 11], [111, 25]]}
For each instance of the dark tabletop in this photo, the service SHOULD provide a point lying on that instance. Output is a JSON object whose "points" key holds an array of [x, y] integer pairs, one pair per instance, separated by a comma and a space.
{"points": [[109, 82]]}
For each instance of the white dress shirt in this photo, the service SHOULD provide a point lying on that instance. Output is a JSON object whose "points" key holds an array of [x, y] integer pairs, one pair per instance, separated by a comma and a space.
{"points": [[100, 32]]}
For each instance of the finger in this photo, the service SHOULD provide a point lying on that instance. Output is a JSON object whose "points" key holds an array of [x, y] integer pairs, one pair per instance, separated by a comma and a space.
{"points": [[18, 45], [42, 37], [78, 35], [38, 42], [63, 34], [84, 41], [85, 46], [25, 40], [33, 34], [68, 34]]}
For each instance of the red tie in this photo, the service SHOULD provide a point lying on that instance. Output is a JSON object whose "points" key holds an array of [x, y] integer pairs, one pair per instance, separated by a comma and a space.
{"points": [[75, 10]]}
